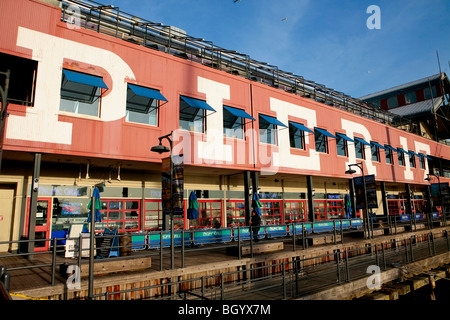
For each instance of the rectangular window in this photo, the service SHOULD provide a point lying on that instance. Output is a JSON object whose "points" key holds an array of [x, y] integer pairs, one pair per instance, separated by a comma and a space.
{"points": [[193, 114], [209, 215], [294, 211], [422, 162], [153, 215], [375, 152], [22, 78], [80, 93], [120, 214], [296, 137], [271, 211], [359, 149], [389, 156], [268, 132], [401, 158], [412, 159], [335, 209], [321, 140], [410, 97], [143, 105], [392, 102], [235, 213], [233, 123], [430, 93], [341, 144], [319, 209]]}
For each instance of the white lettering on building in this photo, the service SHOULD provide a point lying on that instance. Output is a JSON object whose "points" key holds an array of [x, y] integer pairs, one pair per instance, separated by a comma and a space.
{"points": [[351, 128], [41, 122]]}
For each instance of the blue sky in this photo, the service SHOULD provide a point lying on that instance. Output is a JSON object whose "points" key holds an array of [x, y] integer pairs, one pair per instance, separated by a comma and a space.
{"points": [[326, 41]]}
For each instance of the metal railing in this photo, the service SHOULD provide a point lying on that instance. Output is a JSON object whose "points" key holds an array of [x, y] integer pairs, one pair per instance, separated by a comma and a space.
{"points": [[296, 234], [299, 277], [112, 21]]}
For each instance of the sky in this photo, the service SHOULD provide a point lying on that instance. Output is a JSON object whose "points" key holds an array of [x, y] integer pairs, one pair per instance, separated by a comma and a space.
{"points": [[326, 41]]}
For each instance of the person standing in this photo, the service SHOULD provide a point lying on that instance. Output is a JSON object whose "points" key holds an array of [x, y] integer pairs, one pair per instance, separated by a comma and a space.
{"points": [[255, 224]]}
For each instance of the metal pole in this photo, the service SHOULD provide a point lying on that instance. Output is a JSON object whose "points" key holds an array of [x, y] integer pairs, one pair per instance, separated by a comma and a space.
{"points": [[91, 250], [53, 261], [172, 240]]}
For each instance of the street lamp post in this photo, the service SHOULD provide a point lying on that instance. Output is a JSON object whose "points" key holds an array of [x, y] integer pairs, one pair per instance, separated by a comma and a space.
{"points": [[440, 194], [351, 171], [162, 149]]}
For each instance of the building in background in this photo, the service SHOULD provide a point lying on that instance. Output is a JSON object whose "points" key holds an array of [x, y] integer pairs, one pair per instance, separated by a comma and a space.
{"points": [[425, 102], [92, 89]]}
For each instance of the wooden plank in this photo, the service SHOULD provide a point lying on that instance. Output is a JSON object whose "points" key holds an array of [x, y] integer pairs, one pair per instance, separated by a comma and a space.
{"points": [[112, 266], [258, 248]]}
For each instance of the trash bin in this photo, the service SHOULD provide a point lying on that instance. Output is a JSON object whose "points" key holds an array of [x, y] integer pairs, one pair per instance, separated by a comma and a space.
{"points": [[125, 244]]}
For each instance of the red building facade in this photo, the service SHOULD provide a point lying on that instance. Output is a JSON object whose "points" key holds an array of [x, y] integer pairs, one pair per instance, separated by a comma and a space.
{"points": [[96, 104]]}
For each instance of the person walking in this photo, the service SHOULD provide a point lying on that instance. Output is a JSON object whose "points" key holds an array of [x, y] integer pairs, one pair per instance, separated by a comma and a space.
{"points": [[255, 224]]}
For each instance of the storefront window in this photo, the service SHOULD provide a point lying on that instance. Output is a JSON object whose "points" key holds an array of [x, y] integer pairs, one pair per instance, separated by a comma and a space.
{"points": [[294, 211], [235, 213], [209, 215], [335, 209], [122, 215], [319, 209], [271, 212], [153, 215]]}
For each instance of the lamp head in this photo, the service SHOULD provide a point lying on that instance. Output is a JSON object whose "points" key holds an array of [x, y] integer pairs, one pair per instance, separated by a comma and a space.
{"points": [[160, 149], [350, 171]]}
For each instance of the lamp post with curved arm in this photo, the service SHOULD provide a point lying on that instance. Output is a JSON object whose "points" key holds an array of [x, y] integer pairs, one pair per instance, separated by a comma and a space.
{"points": [[162, 149], [440, 195], [351, 171]]}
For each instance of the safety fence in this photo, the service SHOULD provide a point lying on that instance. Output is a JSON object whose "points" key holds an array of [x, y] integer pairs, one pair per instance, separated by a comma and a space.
{"points": [[156, 243], [298, 277]]}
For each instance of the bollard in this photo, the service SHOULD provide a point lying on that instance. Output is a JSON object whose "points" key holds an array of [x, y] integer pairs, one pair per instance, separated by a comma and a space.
{"points": [[4, 277]]}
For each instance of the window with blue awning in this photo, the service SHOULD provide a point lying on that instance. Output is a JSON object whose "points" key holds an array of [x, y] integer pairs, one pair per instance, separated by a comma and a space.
{"points": [[196, 103], [377, 144], [268, 132], [238, 113], [325, 133], [362, 141], [272, 120], [193, 114], [343, 136], [301, 127], [77, 86], [80, 92], [233, 122], [142, 104]]}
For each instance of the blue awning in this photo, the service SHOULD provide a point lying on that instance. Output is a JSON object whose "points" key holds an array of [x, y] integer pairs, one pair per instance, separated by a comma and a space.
{"points": [[199, 104], [344, 137], [389, 147], [423, 155], [362, 141], [147, 92], [325, 132], [402, 150], [238, 112], [272, 120], [301, 127], [377, 144], [83, 78], [413, 153]]}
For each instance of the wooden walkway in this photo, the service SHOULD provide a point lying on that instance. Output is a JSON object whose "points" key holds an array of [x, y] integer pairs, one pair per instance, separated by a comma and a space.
{"points": [[36, 275]]}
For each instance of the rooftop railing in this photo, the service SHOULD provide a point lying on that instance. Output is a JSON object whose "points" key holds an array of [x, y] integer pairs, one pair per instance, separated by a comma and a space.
{"points": [[110, 20]]}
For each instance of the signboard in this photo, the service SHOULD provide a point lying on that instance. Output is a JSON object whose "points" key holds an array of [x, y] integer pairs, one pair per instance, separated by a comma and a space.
{"points": [[370, 189], [438, 189], [172, 190]]}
